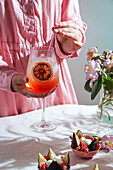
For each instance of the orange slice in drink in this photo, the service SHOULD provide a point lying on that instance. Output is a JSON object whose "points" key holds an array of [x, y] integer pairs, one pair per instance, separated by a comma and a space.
{"points": [[42, 71]]}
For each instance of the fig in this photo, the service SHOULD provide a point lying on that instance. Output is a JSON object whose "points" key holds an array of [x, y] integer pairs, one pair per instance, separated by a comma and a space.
{"points": [[75, 141], [53, 162], [96, 167], [92, 146], [51, 154], [79, 134], [66, 159], [54, 166], [41, 159]]}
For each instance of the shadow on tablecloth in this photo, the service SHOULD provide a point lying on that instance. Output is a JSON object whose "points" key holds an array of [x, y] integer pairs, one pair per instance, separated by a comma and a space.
{"points": [[23, 153]]}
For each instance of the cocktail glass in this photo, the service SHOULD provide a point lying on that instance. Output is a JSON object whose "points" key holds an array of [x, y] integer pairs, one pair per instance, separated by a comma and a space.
{"points": [[43, 74]]}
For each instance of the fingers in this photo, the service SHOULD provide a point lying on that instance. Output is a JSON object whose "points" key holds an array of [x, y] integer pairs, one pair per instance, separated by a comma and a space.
{"points": [[17, 80], [66, 24], [68, 29], [28, 92], [68, 36], [69, 32]]}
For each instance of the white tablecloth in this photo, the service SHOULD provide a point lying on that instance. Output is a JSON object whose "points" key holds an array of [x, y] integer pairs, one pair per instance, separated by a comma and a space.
{"points": [[19, 146]]}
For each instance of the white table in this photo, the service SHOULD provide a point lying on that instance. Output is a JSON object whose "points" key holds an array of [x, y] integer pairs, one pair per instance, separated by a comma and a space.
{"points": [[19, 146]]}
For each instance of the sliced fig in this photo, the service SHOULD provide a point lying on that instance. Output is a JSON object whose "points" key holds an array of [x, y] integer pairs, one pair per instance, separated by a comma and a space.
{"points": [[54, 166], [75, 141], [66, 159], [79, 134], [53, 162], [92, 146], [41, 159], [51, 154]]}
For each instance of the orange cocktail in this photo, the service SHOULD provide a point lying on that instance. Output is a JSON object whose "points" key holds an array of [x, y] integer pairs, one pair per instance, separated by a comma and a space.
{"points": [[43, 76], [43, 70]]}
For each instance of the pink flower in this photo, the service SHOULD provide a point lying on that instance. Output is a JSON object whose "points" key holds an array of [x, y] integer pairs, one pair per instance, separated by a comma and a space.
{"points": [[107, 143], [92, 52], [109, 59], [100, 68], [91, 70], [109, 63]]}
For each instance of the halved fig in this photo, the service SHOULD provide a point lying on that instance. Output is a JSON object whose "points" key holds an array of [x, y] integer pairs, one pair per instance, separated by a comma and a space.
{"points": [[66, 159], [51, 154], [41, 160], [54, 166], [92, 146], [75, 141], [79, 134], [53, 162]]}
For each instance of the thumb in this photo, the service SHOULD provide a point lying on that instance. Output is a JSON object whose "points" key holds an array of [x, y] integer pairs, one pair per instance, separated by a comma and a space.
{"points": [[19, 79], [78, 44], [22, 80]]}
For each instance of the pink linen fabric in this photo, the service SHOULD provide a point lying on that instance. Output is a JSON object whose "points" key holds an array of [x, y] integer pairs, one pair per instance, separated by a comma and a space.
{"points": [[28, 23]]}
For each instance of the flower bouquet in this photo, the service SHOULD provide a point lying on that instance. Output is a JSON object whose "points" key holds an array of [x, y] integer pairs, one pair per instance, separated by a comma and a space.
{"points": [[99, 75]]}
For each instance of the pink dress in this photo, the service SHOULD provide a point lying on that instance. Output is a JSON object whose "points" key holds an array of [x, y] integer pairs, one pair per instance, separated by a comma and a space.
{"points": [[24, 23]]}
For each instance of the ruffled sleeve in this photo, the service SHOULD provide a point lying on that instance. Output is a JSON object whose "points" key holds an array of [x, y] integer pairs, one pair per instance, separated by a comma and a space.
{"points": [[6, 73]]}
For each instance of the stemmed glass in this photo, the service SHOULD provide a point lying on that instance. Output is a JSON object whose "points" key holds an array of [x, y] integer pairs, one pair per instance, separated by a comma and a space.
{"points": [[43, 74]]}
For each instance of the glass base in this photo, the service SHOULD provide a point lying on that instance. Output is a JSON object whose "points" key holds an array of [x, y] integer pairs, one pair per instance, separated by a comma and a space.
{"points": [[43, 126]]}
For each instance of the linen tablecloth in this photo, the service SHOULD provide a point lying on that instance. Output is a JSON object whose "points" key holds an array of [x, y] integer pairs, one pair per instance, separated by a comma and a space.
{"points": [[19, 145]]}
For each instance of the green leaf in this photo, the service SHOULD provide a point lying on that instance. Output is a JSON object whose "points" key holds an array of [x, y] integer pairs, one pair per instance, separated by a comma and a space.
{"points": [[96, 87], [107, 83], [108, 77], [95, 58], [87, 87]]}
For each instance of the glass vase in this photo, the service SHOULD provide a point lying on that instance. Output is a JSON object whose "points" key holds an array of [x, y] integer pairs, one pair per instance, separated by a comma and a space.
{"points": [[105, 107]]}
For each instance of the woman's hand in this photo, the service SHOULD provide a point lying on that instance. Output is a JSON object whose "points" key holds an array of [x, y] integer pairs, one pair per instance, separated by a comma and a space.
{"points": [[18, 85], [68, 36]]}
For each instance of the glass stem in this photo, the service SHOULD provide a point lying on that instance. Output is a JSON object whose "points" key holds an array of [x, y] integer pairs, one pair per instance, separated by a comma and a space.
{"points": [[43, 111], [101, 109]]}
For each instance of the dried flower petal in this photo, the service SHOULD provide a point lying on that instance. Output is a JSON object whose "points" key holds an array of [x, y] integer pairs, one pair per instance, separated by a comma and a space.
{"points": [[107, 149], [104, 138], [111, 138], [102, 145]]}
